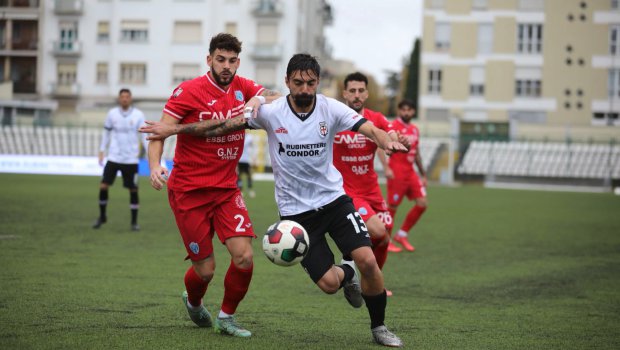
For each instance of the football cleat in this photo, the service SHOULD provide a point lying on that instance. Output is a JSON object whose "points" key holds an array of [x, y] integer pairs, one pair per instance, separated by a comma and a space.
{"points": [[201, 317], [135, 227], [228, 326], [382, 336], [100, 221], [353, 288], [402, 240], [393, 248]]}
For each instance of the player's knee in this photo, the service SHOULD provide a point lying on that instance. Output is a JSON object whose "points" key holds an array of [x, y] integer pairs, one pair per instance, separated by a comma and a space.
{"points": [[367, 264], [205, 273], [328, 285], [103, 186], [244, 259]]}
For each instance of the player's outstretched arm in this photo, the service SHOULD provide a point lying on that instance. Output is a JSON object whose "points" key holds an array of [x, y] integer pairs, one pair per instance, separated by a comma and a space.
{"points": [[381, 138], [205, 128], [159, 174], [267, 96]]}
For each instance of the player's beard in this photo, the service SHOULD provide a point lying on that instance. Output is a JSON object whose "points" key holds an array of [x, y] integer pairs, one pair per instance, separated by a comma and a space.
{"points": [[354, 106], [221, 81], [303, 100]]}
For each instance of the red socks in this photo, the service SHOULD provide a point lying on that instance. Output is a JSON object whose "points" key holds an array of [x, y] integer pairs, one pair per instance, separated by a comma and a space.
{"points": [[195, 286], [379, 248], [236, 284], [412, 217]]}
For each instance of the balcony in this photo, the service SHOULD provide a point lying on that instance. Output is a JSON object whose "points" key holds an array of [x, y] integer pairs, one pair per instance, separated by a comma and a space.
{"points": [[65, 89], [267, 8], [267, 52], [68, 7], [67, 48]]}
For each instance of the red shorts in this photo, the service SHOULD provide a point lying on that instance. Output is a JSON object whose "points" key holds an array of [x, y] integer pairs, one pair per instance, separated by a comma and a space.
{"points": [[367, 207], [201, 213], [411, 187]]}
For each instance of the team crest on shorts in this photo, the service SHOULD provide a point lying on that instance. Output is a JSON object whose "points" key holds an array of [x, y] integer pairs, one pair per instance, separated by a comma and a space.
{"points": [[323, 129], [363, 211], [239, 202], [239, 95], [194, 247]]}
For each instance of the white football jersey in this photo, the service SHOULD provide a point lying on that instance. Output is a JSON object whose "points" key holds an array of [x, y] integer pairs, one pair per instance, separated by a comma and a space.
{"points": [[301, 150], [121, 136]]}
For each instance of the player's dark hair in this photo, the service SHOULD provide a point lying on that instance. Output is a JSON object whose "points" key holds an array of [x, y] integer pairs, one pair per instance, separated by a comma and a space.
{"points": [[303, 62], [406, 103], [124, 90], [357, 76], [226, 42]]}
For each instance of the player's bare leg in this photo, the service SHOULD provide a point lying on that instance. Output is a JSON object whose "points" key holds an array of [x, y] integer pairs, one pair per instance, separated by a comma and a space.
{"points": [[380, 239]]}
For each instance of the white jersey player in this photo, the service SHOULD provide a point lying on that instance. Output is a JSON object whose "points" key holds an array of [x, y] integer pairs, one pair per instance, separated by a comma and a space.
{"points": [[300, 130], [122, 140]]}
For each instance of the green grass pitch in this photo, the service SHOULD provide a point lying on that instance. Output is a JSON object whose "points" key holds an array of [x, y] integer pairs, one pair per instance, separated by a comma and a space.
{"points": [[493, 269]]}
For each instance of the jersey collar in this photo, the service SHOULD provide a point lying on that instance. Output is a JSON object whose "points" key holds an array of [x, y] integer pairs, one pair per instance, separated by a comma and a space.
{"points": [[304, 116]]}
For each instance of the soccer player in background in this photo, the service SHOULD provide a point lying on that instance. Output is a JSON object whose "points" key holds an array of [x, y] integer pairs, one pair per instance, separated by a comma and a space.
{"points": [[121, 140], [202, 188], [300, 132], [406, 181], [354, 157]]}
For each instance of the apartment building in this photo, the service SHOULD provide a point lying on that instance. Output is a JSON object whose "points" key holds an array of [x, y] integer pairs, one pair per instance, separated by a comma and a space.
{"points": [[522, 68], [93, 48]]}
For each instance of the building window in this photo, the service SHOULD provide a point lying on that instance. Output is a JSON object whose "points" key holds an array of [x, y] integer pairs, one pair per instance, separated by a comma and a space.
{"points": [[102, 73], [529, 38], [476, 81], [231, 28], [480, 4], [135, 31], [103, 31], [66, 74], [613, 83], [434, 81], [187, 32], [532, 5], [133, 73], [266, 75], [485, 38], [614, 39], [442, 36], [437, 4], [267, 34], [615, 4], [528, 82], [182, 72], [68, 35]]}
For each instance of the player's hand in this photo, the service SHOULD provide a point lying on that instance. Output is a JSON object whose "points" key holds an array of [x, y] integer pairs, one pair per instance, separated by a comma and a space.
{"points": [[159, 177], [157, 130], [101, 156], [252, 106], [404, 140], [389, 174], [424, 181], [393, 146]]}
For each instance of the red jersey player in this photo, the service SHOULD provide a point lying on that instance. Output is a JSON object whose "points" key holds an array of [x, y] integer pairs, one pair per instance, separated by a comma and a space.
{"points": [[406, 181], [202, 188], [354, 156]]}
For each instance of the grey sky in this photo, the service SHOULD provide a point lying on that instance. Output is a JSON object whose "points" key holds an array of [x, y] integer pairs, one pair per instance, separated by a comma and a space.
{"points": [[375, 35]]}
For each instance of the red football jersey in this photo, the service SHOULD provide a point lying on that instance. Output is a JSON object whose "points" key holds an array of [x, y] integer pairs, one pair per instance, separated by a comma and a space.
{"points": [[201, 162], [354, 157], [402, 163]]}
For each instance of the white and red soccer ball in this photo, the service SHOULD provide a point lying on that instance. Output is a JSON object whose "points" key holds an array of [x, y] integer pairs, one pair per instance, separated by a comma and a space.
{"points": [[286, 243]]}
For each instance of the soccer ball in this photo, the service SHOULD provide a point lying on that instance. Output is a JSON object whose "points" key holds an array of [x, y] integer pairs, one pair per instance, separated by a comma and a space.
{"points": [[286, 243]]}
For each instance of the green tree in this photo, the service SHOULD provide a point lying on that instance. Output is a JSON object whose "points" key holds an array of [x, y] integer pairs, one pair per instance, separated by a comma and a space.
{"points": [[412, 79]]}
